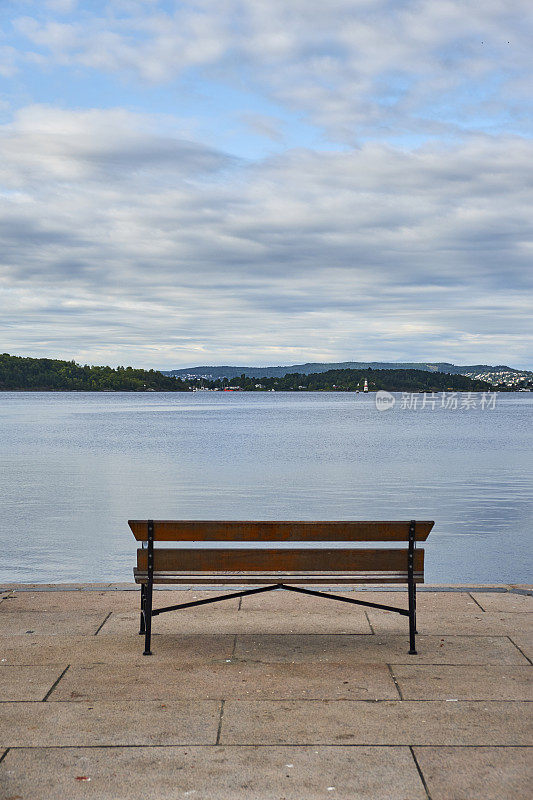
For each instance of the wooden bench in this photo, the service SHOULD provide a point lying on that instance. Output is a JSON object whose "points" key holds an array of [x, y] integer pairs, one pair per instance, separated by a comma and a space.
{"points": [[277, 567]]}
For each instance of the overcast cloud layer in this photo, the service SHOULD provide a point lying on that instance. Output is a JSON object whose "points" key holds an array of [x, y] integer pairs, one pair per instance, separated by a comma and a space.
{"points": [[266, 182]]}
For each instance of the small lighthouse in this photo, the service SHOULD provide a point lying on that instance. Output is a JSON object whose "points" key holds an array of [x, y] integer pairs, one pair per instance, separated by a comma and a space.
{"points": [[365, 387]]}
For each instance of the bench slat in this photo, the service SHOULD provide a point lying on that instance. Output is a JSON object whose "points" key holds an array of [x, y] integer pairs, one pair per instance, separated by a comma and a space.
{"points": [[240, 578], [297, 560], [269, 531]]}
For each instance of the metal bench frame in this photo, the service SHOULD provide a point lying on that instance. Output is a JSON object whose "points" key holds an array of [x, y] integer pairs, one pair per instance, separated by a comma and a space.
{"points": [[147, 611]]}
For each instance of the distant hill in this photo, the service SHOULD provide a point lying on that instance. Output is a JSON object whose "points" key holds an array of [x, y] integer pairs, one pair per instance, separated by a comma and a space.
{"points": [[350, 380], [50, 374], [214, 372]]}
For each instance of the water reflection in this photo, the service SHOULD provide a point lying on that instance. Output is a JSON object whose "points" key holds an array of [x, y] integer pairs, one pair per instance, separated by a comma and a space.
{"points": [[77, 466]]}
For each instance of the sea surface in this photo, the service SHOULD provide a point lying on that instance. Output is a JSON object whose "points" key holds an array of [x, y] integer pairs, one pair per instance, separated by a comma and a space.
{"points": [[76, 466]]}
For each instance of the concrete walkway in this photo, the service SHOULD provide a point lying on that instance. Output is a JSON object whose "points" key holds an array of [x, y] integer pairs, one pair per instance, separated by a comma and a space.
{"points": [[275, 697]]}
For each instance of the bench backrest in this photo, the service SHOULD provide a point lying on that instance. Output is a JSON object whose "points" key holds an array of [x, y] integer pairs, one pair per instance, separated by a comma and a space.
{"points": [[350, 565], [261, 531]]}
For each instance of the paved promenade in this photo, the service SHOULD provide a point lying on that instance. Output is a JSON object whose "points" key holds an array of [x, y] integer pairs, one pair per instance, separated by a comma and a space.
{"points": [[273, 697]]}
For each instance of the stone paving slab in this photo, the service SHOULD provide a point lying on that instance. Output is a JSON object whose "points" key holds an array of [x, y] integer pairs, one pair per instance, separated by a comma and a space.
{"points": [[395, 587], [291, 601], [27, 683], [125, 585], [284, 601], [433, 588], [217, 620], [509, 623], [384, 648], [213, 773], [50, 622], [73, 601], [381, 723], [109, 723], [434, 602], [233, 680], [504, 602], [125, 648], [490, 773], [430, 682], [55, 587], [475, 622]]}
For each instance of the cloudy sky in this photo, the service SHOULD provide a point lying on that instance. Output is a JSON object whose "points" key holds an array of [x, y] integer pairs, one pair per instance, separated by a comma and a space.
{"points": [[266, 181]]}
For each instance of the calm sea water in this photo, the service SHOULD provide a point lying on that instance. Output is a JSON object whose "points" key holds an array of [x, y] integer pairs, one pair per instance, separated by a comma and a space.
{"points": [[76, 466]]}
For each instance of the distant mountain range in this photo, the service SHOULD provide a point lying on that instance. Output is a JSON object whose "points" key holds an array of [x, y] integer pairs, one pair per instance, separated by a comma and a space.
{"points": [[214, 372]]}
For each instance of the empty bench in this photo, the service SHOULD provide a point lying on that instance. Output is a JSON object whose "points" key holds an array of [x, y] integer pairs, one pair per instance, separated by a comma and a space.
{"points": [[279, 568]]}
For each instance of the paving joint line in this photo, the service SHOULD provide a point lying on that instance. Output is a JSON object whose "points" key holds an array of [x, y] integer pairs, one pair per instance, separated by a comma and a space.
{"points": [[328, 700], [339, 633], [477, 746], [5, 754], [255, 745], [369, 623], [519, 649], [475, 601], [445, 664], [393, 676], [52, 664], [219, 729], [349, 662], [49, 692], [420, 773], [97, 631]]}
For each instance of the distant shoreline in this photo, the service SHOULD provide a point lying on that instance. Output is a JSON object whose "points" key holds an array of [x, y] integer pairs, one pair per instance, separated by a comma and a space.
{"points": [[24, 374], [498, 389]]}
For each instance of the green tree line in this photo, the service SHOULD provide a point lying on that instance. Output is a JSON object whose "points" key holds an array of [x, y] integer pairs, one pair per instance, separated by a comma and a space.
{"points": [[349, 380], [47, 374]]}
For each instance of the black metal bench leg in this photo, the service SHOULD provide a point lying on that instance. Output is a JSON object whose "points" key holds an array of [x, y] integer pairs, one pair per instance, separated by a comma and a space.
{"points": [[147, 620], [411, 587], [141, 624], [148, 591], [412, 619]]}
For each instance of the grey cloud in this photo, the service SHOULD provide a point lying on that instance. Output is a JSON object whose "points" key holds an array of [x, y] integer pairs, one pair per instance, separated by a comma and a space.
{"points": [[375, 253], [49, 144]]}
